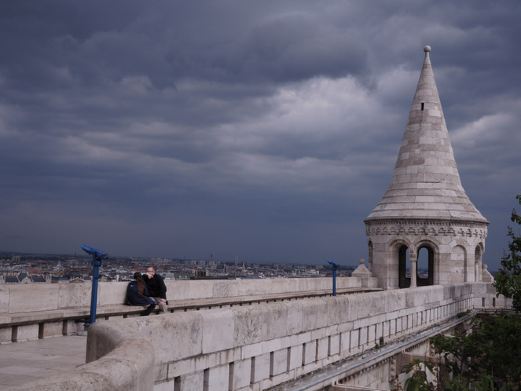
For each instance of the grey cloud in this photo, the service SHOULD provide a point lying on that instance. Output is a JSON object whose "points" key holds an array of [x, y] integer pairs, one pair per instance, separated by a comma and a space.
{"points": [[262, 129]]}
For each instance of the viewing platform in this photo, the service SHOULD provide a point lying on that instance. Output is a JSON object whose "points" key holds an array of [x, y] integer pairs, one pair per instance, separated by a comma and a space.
{"points": [[36, 311], [28, 361], [231, 335], [47, 320]]}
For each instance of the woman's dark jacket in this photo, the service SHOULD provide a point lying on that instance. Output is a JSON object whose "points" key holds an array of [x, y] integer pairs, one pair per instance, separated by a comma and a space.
{"points": [[134, 297]]}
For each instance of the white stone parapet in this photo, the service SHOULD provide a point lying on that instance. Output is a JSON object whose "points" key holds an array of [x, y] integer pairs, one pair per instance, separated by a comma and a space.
{"points": [[41, 297], [261, 346], [33, 311]]}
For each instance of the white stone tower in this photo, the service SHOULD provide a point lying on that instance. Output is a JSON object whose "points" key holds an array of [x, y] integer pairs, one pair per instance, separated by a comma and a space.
{"points": [[425, 211]]}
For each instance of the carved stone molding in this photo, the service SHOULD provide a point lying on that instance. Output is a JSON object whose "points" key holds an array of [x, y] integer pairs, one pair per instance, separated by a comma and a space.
{"points": [[426, 228]]}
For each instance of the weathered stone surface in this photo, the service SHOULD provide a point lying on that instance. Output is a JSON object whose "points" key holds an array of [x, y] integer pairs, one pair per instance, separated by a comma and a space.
{"points": [[72, 327], [52, 329], [361, 271], [334, 345], [27, 332], [165, 386], [323, 348], [295, 357], [193, 381], [218, 378], [261, 368], [310, 350], [39, 297], [75, 295], [4, 298], [174, 342], [5, 335], [218, 330], [280, 362], [120, 369], [75, 298], [241, 373]]}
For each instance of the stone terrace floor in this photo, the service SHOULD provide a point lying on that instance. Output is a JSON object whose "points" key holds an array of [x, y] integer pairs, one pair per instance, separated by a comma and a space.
{"points": [[23, 362]]}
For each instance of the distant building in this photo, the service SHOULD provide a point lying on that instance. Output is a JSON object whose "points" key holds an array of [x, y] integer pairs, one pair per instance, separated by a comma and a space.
{"points": [[23, 278], [57, 279], [37, 278], [11, 279]]}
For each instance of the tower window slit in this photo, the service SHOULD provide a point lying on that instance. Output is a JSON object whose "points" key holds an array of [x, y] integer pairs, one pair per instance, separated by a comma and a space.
{"points": [[422, 106]]}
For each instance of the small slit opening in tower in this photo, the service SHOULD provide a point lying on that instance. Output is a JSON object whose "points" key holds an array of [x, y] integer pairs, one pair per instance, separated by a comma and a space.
{"points": [[422, 106]]}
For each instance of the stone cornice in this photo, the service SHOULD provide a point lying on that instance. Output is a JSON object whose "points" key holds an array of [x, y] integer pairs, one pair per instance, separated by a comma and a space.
{"points": [[423, 221], [429, 227]]}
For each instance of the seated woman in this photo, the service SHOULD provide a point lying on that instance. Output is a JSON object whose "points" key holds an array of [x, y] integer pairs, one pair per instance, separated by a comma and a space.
{"points": [[137, 294]]}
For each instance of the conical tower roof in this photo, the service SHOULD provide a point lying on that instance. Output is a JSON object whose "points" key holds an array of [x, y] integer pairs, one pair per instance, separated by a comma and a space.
{"points": [[426, 182]]}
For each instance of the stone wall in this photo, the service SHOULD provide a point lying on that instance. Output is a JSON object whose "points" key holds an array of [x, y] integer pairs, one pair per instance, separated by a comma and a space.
{"points": [[458, 248], [258, 347], [34, 311], [46, 297]]}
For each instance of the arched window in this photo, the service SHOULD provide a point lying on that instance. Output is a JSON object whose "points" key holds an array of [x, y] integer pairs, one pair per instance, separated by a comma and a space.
{"points": [[425, 266], [477, 264], [370, 255], [404, 271], [422, 265], [478, 253]]}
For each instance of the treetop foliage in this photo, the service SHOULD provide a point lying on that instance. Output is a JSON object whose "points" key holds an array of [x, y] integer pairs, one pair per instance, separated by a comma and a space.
{"points": [[487, 358], [508, 279]]}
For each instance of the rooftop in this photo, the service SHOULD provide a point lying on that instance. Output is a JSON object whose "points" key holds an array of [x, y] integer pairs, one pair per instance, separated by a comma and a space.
{"points": [[426, 181]]}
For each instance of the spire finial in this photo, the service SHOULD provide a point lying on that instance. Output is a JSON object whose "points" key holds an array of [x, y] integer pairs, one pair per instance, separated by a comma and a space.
{"points": [[427, 49]]}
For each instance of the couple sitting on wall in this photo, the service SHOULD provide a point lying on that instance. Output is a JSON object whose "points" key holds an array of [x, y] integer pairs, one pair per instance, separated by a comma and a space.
{"points": [[147, 290]]}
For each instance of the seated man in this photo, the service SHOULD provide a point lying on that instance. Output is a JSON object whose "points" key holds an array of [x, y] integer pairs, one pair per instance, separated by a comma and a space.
{"points": [[137, 294], [156, 287]]}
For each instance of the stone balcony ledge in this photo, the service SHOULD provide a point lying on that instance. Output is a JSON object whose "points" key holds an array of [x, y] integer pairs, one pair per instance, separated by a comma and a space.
{"points": [[66, 306], [259, 346]]}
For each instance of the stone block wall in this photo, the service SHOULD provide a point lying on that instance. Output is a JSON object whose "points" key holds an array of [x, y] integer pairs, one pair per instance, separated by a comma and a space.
{"points": [[458, 248], [48, 297], [257, 347], [34, 311]]}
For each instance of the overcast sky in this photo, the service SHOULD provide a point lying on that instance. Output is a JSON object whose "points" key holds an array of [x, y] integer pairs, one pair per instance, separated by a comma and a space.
{"points": [[266, 130]]}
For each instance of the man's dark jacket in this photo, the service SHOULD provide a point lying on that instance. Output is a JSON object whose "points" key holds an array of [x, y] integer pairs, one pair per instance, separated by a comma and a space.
{"points": [[156, 286]]}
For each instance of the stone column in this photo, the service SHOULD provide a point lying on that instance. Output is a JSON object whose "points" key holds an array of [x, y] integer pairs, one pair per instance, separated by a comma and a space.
{"points": [[479, 271], [413, 257]]}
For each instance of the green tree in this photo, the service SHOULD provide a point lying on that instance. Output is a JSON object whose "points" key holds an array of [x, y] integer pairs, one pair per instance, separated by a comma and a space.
{"points": [[508, 279], [418, 381], [487, 358]]}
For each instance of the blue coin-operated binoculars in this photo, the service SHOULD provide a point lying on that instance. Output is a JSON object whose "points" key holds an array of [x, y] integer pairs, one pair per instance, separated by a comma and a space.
{"points": [[334, 266], [97, 257]]}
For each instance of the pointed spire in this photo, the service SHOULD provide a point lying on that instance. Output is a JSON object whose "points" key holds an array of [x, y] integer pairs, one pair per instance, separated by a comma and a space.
{"points": [[426, 182]]}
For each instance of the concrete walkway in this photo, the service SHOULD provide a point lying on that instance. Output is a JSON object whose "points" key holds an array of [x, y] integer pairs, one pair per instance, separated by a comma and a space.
{"points": [[26, 361]]}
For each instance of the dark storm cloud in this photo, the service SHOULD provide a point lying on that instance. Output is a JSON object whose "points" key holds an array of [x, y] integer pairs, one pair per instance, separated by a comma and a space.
{"points": [[266, 130]]}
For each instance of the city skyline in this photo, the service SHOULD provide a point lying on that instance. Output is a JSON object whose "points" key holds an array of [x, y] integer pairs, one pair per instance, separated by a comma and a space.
{"points": [[264, 131]]}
